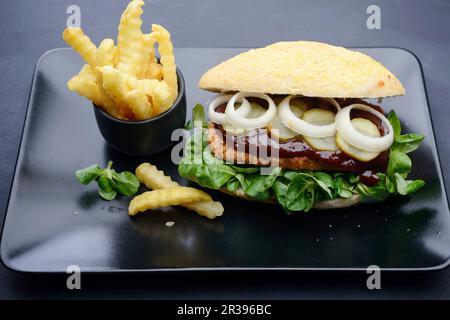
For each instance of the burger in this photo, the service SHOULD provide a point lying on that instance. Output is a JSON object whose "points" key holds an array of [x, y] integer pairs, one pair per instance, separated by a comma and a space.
{"points": [[290, 126]]}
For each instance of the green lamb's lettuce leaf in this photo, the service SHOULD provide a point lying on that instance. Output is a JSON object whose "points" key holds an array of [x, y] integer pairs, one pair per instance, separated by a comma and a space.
{"points": [[342, 186], [405, 187], [257, 185], [399, 162], [105, 188], [405, 143], [126, 183], [89, 174], [236, 182], [109, 181], [408, 142], [300, 194], [280, 189], [324, 178], [376, 193], [395, 123], [372, 194], [246, 170], [209, 173], [352, 178], [253, 186], [298, 191], [198, 118]]}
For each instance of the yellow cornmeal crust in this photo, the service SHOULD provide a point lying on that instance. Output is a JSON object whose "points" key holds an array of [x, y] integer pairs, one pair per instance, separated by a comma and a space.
{"points": [[307, 68]]}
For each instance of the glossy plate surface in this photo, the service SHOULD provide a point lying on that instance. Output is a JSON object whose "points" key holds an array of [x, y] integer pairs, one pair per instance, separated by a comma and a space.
{"points": [[53, 222]]}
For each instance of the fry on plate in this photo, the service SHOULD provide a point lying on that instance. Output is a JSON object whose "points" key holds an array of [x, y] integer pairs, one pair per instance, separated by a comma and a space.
{"points": [[156, 179], [165, 197]]}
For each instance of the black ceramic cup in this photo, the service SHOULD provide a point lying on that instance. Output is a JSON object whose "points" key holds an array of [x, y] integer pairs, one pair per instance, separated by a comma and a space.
{"points": [[145, 137]]}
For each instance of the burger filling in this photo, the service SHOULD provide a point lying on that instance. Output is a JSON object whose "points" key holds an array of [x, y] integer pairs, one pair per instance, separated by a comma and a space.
{"points": [[316, 149]]}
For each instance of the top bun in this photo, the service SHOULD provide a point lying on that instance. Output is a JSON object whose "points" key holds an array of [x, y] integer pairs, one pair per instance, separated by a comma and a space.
{"points": [[307, 68]]}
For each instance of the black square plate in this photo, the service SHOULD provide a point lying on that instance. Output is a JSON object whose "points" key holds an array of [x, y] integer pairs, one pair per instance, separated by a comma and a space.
{"points": [[52, 222]]}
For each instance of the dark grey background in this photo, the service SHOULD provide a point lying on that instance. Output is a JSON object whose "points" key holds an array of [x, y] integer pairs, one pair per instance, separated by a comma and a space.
{"points": [[28, 28]]}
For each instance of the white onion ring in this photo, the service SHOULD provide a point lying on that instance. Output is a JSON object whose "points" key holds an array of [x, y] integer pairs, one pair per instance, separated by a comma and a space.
{"points": [[359, 140], [220, 118], [237, 120], [298, 125], [333, 102]]}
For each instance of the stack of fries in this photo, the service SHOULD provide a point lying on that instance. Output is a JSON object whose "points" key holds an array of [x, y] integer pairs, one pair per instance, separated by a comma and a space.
{"points": [[167, 192], [126, 80]]}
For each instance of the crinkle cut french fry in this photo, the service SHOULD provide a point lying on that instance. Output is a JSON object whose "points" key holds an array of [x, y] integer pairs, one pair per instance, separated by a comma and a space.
{"points": [[167, 59], [106, 53], [138, 102], [118, 84], [113, 83], [153, 68], [145, 87], [156, 179], [153, 178], [160, 93], [116, 56], [208, 209], [158, 90], [115, 87], [81, 43], [86, 88], [154, 71], [88, 51], [165, 197], [105, 57], [88, 77], [130, 42], [88, 72]]}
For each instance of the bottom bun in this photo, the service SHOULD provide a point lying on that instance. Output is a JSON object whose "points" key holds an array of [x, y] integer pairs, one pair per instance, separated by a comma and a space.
{"points": [[321, 205]]}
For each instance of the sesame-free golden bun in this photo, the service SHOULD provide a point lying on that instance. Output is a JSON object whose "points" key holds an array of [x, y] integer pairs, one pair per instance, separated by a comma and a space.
{"points": [[306, 68]]}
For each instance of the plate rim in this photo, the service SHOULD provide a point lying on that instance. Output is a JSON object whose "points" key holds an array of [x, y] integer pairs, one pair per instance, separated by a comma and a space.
{"points": [[6, 262]]}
